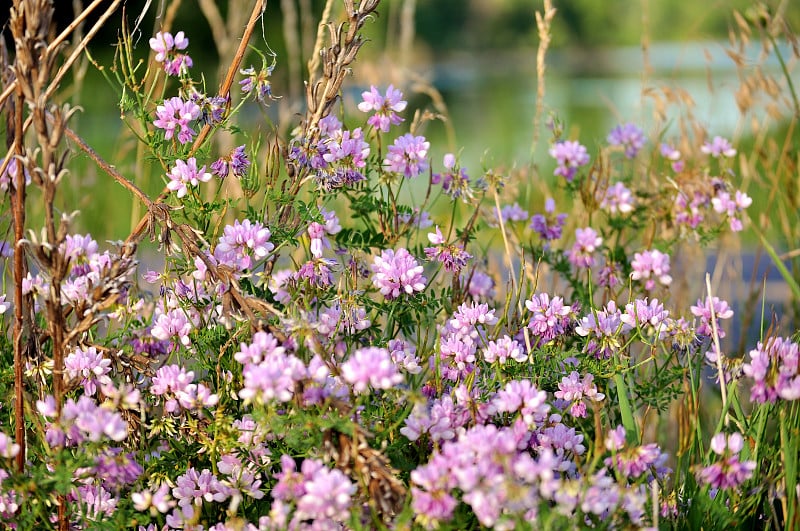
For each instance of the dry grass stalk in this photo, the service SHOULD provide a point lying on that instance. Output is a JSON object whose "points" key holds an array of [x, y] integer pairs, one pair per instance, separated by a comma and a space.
{"points": [[543, 24]]}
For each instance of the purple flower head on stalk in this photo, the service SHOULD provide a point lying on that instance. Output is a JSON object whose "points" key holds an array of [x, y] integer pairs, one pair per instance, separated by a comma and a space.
{"points": [[8, 448], [650, 266], [166, 47], [503, 349], [481, 285], [171, 326], [241, 242], [603, 328], [257, 81], [618, 199], [174, 115], [574, 392], [513, 213], [212, 109], [548, 225], [570, 155], [186, 174], [729, 471], [408, 156], [705, 309], [731, 207], [775, 370], [273, 379], [550, 316], [673, 155], [453, 257], [237, 162], [385, 107], [629, 136], [650, 317], [373, 367], [89, 365], [586, 243], [635, 461], [397, 273], [11, 171], [718, 147]]}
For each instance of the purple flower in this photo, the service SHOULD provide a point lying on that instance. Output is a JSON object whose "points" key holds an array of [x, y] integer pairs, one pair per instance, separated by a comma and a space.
{"points": [[91, 366], [175, 115], [503, 349], [386, 108], [604, 328], [618, 199], [651, 266], [397, 273], [408, 155], [185, 174], [257, 82], [165, 46], [570, 155], [729, 472], [673, 155], [775, 370], [705, 309], [404, 355], [629, 136], [575, 391], [718, 147], [370, 366], [651, 318], [241, 242], [11, 170], [173, 325], [548, 225], [327, 495], [272, 379], [513, 213], [8, 448], [521, 396], [586, 243], [731, 207], [550, 317], [237, 162]]}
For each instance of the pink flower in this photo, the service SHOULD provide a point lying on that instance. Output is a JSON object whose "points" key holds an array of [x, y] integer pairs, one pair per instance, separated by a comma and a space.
{"points": [[371, 366], [174, 115], [397, 273], [570, 155], [185, 174], [386, 108], [408, 155]]}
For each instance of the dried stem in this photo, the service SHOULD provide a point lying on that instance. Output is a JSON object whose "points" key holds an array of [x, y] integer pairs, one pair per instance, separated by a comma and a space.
{"points": [[20, 271], [543, 24]]}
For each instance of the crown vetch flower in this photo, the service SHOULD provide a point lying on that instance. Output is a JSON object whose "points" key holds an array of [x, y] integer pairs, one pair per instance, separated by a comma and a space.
{"points": [[586, 243], [629, 136], [186, 174], [385, 107], [570, 155], [396, 273], [718, 147], [651, 266], [174, 115], [774, 367], [241, 240], [408, 155], [371, 366]]}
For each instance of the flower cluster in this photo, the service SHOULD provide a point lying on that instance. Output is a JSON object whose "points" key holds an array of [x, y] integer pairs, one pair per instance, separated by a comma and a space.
{"points": [[729, 472], [774, 367], [166, 47]]}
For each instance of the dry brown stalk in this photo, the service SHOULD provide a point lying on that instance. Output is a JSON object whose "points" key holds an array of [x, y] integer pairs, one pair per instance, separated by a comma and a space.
{"points": [[543, 23]]}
